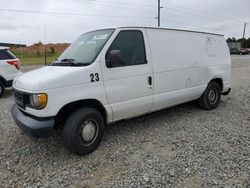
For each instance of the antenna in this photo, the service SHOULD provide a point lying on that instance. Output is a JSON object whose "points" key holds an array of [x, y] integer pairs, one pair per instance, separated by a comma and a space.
{"points": [[21, 49], [45, 49]]}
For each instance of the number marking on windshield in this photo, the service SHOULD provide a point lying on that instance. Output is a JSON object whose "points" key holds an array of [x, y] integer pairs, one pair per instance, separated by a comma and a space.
{"points": [[100, 37]]}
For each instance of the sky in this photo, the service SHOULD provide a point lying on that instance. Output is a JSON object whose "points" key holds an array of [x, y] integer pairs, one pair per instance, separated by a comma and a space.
{"points": [[24, 21]]}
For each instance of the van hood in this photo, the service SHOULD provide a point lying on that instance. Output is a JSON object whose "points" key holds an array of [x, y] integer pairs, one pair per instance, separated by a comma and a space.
{"points": [[49, 77]]}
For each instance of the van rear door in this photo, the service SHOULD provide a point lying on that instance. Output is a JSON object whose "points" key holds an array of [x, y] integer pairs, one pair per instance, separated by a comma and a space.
{"points": [[128, 80]]}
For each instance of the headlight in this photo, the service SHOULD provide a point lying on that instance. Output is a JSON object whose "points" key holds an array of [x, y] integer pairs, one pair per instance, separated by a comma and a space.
{"points": [[38, 101]]}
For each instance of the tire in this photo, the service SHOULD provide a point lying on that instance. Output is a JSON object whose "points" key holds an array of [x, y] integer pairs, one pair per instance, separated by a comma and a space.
{"points": [[83, 131], [210, 99], [2, 89]]}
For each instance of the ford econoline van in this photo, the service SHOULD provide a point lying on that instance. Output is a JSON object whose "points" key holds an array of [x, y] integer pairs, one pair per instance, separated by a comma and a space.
{"points": [[112, 74]]}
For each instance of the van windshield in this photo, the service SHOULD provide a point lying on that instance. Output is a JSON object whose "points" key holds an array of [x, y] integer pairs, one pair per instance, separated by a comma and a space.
{"points": [[84, 50]]}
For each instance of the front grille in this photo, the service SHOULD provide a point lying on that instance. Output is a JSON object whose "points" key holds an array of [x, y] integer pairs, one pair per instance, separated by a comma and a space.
{"points": [[20, 98]]}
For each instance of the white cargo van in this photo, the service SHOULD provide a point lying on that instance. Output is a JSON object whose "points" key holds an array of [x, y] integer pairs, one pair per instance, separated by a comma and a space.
{"points": [[118, 73]]}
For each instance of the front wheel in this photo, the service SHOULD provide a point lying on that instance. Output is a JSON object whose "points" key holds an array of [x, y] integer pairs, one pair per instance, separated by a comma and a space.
{"points": [[210, 99], [1, 89], [83, 131]]}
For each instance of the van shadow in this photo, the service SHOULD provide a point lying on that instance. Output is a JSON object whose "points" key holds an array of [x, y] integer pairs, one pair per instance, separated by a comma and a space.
{"points": [[117, 133], [153, 118]]}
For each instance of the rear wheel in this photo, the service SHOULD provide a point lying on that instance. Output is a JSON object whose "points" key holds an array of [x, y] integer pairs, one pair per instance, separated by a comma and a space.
{"points": [[2, 89], [83, 131], [210, 99]]}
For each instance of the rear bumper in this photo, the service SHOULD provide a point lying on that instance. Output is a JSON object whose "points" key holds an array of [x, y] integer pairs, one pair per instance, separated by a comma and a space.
{"points": [[33, 127]]}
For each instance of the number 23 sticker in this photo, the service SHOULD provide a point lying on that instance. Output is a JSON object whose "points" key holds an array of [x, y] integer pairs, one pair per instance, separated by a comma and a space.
{"points": [[94, 77]]}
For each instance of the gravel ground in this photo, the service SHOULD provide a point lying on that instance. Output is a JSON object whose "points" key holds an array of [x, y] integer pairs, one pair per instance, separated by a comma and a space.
{"points": [[183, 146]]}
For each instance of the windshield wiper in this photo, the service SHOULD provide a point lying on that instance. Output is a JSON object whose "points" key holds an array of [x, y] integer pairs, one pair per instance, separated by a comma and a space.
{"points": [[69, 60], [64, 62]]}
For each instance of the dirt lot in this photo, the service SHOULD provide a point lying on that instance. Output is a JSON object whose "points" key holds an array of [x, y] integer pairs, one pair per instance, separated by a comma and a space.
{"points": [[183, 146]]}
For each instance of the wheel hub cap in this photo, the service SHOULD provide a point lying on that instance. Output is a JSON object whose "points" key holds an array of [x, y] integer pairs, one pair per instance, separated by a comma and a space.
{"points": [[88, 130], [212, 95]]}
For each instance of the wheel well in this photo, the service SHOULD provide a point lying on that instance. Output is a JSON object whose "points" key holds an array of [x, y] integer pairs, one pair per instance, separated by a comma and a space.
{"points": [[68, 109], [219, 81], [3, 81]]}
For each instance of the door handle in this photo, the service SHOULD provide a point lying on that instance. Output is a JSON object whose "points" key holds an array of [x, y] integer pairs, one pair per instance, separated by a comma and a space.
{"points": [[150, 80]]}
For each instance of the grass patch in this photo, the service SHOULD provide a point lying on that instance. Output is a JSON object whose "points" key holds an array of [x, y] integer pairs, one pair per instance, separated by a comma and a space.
{"points": [[35, 58]]}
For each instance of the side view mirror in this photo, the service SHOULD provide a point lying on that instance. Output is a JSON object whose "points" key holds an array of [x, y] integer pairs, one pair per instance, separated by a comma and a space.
{"points": [[114, 59]]}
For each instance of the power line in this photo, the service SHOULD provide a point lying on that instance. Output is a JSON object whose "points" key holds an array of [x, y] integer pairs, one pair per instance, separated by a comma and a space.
{"points": [[70, 14], [109, 4], [195, 15], [212, 5], [182, 23], [125, 3], [150, 5], [109, 16], [207, 14], [176, 8], [193, 11]]}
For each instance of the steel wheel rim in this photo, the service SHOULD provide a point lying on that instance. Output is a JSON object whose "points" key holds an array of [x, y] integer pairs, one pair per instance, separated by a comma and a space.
{"points": [[88, 132], [212, 96]]}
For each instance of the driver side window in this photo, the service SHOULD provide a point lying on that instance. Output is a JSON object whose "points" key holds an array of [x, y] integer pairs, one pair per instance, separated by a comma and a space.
{"points": [[127, 49]]}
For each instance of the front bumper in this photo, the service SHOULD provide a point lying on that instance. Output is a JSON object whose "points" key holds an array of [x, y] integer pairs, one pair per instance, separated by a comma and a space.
{"points": [[38, 128]]}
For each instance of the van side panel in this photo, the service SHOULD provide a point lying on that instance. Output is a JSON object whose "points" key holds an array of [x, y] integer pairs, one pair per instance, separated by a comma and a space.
{"points": [[218, 60], [184, 63]]}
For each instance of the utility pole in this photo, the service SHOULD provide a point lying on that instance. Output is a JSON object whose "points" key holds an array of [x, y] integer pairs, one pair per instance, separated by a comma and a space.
{"points": [[45, 50], [244, 31], [159, 13]]}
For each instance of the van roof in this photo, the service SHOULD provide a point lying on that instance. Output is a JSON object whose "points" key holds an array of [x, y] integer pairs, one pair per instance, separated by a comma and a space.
{"points": [[4, 48], [170, 29]]}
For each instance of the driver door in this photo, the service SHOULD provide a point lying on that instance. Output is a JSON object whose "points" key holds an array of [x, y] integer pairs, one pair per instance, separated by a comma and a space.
{"points": [[128, 84]]}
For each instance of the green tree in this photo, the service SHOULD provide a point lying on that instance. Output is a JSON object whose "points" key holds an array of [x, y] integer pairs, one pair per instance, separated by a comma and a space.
{"points": [[248, 43], [234, 39], [229, 40], [39, 43], [244, 42]]}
